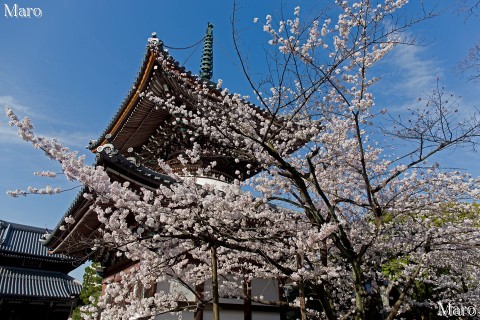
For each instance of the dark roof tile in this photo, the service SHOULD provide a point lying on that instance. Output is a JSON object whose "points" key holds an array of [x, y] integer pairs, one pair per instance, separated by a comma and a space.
{"points": [[18, 239], [27, 283]]}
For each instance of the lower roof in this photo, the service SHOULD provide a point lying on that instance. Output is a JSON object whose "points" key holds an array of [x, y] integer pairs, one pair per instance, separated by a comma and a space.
{"points": [[27, 241], [22, 283]]}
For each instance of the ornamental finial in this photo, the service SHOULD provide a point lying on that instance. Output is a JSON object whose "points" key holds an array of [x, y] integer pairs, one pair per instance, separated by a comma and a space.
{"points": [[153, 41], [206, 66]]}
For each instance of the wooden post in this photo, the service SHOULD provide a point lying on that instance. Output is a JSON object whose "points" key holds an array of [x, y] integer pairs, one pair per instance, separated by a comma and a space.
{"points": [[216, 313], [198, 314], [282, 298], [247, 300]]}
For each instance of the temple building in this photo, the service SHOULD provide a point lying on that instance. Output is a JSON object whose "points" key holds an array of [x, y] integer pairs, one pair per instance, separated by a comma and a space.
{"points": [[33, 283], [142, 132]]}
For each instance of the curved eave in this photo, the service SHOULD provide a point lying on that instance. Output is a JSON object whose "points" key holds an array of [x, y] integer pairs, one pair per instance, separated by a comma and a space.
{"points": [[129, 102], [56, 235], [69, 241], [86, 223], [64, 260], [119, 166]]}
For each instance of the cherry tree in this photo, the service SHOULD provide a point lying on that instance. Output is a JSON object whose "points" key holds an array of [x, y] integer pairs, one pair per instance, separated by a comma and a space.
{"points": [[356, 227], [470, 65]]}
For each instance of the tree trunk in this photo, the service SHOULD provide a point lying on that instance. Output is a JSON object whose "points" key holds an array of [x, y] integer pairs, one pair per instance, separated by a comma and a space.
{"points": [[301, 292], [359, 292], [366, 309], [403, 295]]}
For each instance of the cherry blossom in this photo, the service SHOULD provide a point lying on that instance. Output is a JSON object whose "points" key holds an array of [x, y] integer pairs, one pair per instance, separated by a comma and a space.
{"points": [[356, 227]]}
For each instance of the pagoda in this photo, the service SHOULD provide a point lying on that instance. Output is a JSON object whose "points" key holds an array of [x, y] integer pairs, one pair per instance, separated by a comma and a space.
{"points": [[144, 131]]}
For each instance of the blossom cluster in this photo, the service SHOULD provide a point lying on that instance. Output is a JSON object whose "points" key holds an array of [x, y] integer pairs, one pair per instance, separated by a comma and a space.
{"points": [[333, 214]]}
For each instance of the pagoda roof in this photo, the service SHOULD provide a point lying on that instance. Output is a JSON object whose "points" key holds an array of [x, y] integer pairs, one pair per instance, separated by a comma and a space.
{"points": [[29, 284], [158, 74], [141, 126], [139, 131], [17, 240]]}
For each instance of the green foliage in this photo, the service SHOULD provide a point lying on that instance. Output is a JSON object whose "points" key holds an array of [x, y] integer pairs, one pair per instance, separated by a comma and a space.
{"points": [[91, 290], [92, 284], [453, 213], [393, 268], [76, 314], [448, 214]]}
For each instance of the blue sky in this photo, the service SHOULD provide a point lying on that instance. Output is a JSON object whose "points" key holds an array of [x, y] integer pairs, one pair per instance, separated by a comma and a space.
{"points": [[70, 70]]}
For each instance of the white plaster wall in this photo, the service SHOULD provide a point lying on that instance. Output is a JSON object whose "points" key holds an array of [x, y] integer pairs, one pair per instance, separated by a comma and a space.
{"points": [[224, 314], [184, 316], [267, 288], [175, 287], [257, 315], [217, 183]]}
